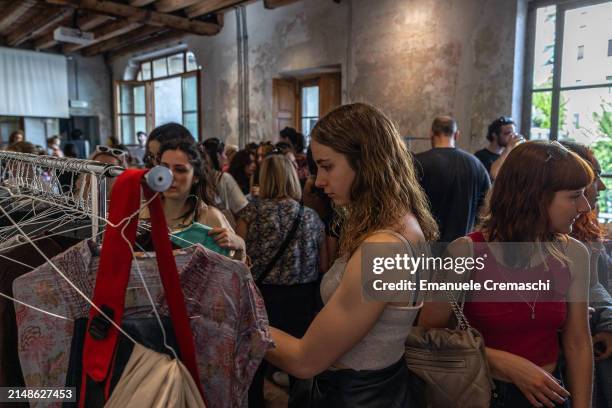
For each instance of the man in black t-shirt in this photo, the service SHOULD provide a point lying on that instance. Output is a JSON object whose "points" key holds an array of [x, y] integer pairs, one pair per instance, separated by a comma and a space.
{"points": [[455, 181], [502, 138]]}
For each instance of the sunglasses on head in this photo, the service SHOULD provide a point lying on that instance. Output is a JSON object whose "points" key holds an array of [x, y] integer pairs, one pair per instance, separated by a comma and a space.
{"points": [[553, 154], [118, 153], [505, 120], [275, 151]]}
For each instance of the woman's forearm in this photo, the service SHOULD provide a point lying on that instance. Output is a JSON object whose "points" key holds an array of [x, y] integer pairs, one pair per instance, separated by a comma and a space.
{"points": [[497, 363], [287, 355], [580, 373]]}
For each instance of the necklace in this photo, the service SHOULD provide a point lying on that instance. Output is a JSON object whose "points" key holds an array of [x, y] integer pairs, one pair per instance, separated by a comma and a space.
{"points": [[531, 306]]}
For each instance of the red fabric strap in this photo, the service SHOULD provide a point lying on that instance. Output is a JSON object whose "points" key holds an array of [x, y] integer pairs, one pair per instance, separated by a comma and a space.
{"points": [[114, 272]]}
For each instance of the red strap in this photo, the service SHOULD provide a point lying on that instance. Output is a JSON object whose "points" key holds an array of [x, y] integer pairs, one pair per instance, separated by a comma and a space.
{"points": [[114, 271]]}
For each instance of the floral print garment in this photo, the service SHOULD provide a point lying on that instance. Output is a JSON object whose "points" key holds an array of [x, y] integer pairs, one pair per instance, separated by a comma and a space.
{"points": [[227, 315], [270, 221]]}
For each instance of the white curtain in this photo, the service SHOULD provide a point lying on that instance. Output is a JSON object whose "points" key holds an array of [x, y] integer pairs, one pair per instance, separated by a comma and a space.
{"points": [[33, 84]]}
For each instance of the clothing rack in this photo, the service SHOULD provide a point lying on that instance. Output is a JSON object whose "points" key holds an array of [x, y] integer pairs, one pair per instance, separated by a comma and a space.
{"points": [[65, 164], [158, 179]]}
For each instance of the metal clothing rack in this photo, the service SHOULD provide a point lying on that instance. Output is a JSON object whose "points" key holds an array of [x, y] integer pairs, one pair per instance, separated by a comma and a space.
{"points": [[158, 179], [65, 164]]}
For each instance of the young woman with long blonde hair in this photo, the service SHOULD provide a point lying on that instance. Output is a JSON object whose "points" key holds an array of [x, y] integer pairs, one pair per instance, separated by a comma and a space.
{"points": [[355, 347]]}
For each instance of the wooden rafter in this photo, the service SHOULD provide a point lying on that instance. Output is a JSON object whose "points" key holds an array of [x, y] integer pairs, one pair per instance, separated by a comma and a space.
{"points": [[140, 3], [104, 33], [121, 41], [13, 12], [208, 6], [36, 25], [141, 45], [272, 4], [168, 6], [148, 17], [86, 23]]}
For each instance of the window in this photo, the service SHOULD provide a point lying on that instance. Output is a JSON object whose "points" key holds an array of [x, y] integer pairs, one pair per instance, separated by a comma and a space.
{"points": [[300, 102], [165, 90], [309, 103], [570, 100], [131, 112]]}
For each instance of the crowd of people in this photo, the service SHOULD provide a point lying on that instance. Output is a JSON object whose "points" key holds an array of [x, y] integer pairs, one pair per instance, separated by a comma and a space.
{"points": [[299, 217]]}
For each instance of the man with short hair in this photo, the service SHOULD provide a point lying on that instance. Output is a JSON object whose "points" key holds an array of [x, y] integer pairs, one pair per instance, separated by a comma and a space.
{"points": [[502, 138], [455, 181]]}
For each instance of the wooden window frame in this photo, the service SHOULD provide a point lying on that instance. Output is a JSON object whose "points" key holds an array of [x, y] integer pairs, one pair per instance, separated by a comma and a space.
{"points": [[166, 57], [150, 101]]}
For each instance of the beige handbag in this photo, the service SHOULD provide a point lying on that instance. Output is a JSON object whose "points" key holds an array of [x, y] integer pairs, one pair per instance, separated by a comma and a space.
{"points": [[451, 363]]}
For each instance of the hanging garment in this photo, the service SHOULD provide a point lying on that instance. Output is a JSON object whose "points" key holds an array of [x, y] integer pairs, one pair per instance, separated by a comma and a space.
{"points": [[228, 321], [227, 317], [102, 339], [15, 262]]}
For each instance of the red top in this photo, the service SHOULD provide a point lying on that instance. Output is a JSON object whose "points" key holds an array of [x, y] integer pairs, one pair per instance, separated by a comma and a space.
{"points": [[513, 326]]}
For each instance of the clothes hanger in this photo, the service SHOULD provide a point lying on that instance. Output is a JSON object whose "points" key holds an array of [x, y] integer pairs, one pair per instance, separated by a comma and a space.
{"points": [[126, 221]]}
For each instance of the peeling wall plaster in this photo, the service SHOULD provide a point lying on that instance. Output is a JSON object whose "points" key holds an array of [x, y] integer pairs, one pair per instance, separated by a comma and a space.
{"points": [[412, 58]]}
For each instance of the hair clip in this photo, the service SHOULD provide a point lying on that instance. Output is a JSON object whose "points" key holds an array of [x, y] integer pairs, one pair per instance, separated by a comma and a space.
{"points": [[548, 158]]}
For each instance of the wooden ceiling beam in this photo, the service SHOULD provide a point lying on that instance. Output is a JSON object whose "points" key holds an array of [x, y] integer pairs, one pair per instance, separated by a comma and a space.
{"points": [[104, 33], [148, 17], [167, 36], [168, 6], [86, 23], [13, 12], [272, 4], [208, 6], [140, 3], [120, 41], [36, 25]]}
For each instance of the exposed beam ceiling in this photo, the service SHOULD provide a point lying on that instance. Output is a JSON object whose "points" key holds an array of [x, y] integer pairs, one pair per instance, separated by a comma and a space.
{"points": [[148, 17], [86, 23], [140, 3], [107, 31], [121, 41], [168, 6], [36, 25], [13, 12], [208, 6], [272, 4], [144, 44]]}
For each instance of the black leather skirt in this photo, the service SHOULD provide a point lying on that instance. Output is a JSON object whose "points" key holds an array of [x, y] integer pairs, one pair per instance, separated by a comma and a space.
{"points": [[385, 388]]}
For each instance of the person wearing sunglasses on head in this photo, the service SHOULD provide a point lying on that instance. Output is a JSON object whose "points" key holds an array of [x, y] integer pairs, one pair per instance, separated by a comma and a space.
{"points": [[103, 154], [110, 155], [502, 139]]}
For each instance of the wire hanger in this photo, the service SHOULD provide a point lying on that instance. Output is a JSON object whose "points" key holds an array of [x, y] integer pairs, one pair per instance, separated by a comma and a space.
{"points": [[94, 216]]}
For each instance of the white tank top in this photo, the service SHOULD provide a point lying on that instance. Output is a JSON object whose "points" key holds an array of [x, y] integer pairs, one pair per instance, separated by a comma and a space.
{"points": [[383, 345]]}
